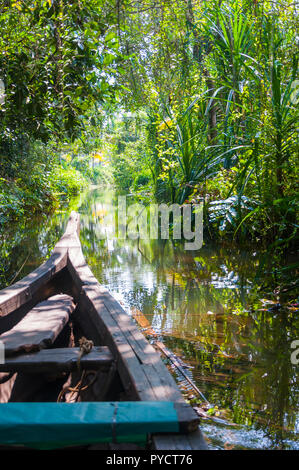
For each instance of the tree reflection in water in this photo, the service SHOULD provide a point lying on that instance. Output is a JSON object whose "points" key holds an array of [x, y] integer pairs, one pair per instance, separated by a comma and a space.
{"points": [[205, 306]]}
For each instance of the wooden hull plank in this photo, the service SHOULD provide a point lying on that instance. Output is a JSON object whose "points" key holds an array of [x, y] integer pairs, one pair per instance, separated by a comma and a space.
{"points": [[133, 377], [59, 360], [144, 376], [143, 363], [40, 327], [192, 441], [91, 300], [150, 360], [21, 292]]}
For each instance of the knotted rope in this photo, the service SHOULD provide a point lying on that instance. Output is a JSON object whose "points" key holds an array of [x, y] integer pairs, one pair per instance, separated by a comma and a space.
{"points": [[86, 346]]}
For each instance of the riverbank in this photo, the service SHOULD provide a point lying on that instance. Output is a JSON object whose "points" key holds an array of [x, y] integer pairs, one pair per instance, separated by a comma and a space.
{"points": [[39, 194], [233, 339], [29, 208]]}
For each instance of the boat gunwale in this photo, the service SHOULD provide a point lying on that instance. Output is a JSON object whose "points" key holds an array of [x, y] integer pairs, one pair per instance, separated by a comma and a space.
{"points": [[142, 372], [22, 291]]}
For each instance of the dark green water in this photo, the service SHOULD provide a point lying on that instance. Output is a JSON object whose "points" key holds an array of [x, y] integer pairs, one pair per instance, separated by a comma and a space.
{"points": [[205, 306]]}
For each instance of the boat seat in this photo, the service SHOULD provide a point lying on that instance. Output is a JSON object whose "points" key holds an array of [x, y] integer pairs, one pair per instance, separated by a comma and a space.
{"points": [[40, 326], [59, 360], [54, 425]]}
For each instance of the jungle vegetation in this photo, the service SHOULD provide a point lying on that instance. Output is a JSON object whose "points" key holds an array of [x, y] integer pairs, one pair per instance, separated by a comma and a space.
{"points": [[182, 100], [173, 101]]}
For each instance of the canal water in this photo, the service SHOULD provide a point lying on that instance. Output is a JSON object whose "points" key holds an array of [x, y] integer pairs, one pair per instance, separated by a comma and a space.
{"points": [[225, 328]]}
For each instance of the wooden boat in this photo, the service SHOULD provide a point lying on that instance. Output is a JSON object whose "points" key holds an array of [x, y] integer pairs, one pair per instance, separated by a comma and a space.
{"points": [[125, 396]]}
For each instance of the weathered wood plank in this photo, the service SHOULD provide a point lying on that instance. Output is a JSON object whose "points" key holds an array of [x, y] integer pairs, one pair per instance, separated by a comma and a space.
{"points": [[192, 441], [187, 417], [133, 377], [59, 360], [19, 293], [40, 327], [151, 362], [138, 363], [148, 369], [91, 302], [22, 291], [143, 374]]}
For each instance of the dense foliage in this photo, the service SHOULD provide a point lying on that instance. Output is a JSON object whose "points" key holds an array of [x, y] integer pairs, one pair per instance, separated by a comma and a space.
{"points": [[55, 61], [214, 91], [185, 101], [172, 101]]}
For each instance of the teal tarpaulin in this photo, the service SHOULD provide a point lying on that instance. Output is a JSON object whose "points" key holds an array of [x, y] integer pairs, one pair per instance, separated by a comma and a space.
{"points": [[52, 425]]}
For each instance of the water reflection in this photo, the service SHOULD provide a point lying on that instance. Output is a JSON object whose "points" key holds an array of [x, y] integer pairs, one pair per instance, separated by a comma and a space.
{"points": [[26, 244], [205, 306]]}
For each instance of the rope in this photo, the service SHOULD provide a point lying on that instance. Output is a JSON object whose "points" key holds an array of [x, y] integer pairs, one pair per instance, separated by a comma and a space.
{"points": [[78, 387], [86, 346]]}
